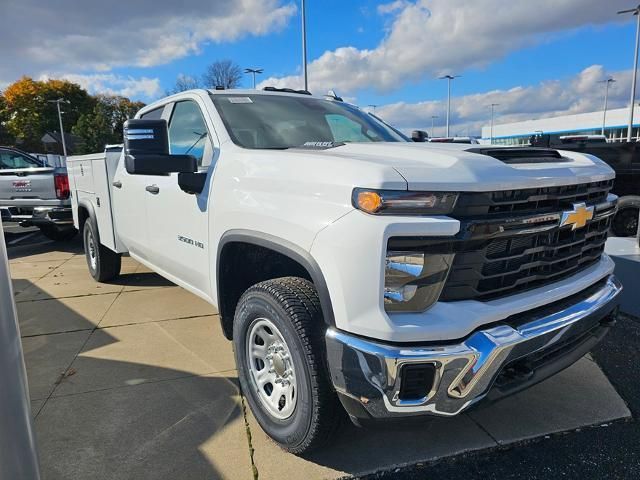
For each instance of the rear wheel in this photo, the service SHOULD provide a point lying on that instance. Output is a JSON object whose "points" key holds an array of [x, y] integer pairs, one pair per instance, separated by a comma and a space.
{"points": [[279, 348], [625, 223], [58, 234], [104, 264]]}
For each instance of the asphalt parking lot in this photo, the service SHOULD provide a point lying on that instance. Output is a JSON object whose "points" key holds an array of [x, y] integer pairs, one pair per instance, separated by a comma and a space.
{"points": [[133, 379]]}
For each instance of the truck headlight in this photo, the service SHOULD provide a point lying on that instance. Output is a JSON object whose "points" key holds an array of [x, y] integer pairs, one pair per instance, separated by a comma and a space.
{"points": [[413, 280], [402, 202]]}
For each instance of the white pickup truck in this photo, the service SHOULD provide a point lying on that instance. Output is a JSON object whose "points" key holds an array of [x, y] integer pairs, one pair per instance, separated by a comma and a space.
{"points": [[355, 270]]}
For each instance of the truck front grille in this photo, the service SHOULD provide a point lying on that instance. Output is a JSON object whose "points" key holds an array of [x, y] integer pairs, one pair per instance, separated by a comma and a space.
{"points": [[511, 241], [510, 265]]}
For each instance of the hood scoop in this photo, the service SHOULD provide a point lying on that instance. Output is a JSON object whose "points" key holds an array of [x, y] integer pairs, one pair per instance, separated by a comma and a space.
{"points": [[521, 155]]}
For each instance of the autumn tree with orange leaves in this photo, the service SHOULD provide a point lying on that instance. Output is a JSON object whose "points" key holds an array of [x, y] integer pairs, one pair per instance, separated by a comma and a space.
{"points": [[30, 115], [26, 114]]}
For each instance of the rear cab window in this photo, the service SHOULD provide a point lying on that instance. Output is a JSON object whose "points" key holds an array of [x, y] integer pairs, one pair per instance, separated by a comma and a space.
{"points": [[10, 160]]}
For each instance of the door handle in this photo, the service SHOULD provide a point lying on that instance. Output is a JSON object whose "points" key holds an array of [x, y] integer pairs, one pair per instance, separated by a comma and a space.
{"points": [[117, 184], [152, 189]]}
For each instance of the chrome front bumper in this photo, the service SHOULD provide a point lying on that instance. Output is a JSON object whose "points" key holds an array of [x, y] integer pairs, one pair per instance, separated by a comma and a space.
{"points": [[367, 375]]}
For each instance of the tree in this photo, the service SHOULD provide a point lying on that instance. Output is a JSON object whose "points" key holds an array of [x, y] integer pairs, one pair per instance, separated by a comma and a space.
{"points": [[5, 137], [223, 73], [103, 125], [30, 115], [183, 83]]}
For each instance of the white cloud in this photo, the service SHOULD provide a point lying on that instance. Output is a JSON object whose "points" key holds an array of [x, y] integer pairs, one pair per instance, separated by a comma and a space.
{"points": [[111, 84], [391, 7], [434, 37], [95, 35], [578, 94]]}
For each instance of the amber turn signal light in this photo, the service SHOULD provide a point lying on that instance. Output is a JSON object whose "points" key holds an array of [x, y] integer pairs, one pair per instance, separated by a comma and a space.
{"points": [[369, 201]]}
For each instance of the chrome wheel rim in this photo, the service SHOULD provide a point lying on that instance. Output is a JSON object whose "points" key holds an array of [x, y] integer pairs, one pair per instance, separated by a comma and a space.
{"points": [[91, 250], [271, 370]]}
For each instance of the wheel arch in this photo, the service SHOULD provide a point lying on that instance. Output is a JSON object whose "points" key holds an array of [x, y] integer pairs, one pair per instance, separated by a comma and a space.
{"points": [[268, 243], [85, 211]]}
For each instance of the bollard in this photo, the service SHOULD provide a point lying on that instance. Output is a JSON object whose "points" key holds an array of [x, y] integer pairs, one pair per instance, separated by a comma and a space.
{"points": [[18, 454]]}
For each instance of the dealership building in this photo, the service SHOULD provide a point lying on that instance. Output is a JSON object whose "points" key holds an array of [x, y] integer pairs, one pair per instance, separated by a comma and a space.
{"points": [[518, 133]]}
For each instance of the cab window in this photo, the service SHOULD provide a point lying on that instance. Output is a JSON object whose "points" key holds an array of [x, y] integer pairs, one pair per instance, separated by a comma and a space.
{"points": [[12, 160], [188, 132]]}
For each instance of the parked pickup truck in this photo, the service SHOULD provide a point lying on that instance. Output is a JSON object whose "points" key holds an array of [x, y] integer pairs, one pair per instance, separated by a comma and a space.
{"points": [[34, 194], [352, 269]]}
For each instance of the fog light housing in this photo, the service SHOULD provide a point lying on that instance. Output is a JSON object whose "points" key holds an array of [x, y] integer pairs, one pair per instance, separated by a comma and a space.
{"points": [[416, 381], [413, 280]]}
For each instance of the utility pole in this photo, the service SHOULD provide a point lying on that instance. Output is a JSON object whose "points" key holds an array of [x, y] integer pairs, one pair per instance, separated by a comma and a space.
{"points": [[449, 78], [636, 12], [64, 143], [493, 105], [304, 48], [373, 107], [254, 71], [433, 117], [606, 82]]}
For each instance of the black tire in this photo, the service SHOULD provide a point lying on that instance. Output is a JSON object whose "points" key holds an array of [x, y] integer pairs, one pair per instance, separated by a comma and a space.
{"points": [[292, 305], [58, 234], [104, 264], [625, 223]]}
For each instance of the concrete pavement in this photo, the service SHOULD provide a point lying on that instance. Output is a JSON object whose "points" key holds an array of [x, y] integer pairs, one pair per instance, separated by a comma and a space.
{"points": [[133, 379]]}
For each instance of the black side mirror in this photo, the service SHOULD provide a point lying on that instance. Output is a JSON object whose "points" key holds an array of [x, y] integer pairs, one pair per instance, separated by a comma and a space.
{"points": [[192, 183], [146, 148], [419, 136]]}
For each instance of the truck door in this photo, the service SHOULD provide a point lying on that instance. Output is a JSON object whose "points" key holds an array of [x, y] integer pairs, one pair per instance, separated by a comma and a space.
{"points": [[177, 221], [129, 198]]}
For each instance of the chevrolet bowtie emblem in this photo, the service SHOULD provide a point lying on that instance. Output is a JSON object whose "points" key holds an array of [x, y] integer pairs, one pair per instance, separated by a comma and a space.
{"points": [[578, 217]]}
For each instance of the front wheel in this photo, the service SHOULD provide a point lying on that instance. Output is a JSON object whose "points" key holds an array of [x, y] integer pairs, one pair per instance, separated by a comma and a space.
{"points": [[104, 264], [279, 348]]}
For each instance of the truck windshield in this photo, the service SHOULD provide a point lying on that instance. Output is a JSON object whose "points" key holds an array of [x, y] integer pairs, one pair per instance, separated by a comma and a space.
{"points": [[287, 121]]}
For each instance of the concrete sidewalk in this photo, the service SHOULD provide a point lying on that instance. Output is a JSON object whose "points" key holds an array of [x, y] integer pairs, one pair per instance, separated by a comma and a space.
{"points": [[133, 379]]}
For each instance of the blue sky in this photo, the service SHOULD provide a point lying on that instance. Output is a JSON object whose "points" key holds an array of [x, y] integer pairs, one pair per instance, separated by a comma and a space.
{"points": [[398, 48]]}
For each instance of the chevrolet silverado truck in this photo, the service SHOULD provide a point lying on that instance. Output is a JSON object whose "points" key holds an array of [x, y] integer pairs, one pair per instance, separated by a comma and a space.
{"points": [[34, 194], [355, 270]]}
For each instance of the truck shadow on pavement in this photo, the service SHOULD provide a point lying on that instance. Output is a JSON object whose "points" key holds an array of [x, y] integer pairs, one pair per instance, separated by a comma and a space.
{"points": [[107, 406]]}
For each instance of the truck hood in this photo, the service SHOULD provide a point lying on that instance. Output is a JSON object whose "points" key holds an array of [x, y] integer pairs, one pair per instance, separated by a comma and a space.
{"points": [[452, 167]]}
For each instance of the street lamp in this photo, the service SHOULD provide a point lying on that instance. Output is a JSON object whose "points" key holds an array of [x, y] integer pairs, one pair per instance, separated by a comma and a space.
{"points": [[64, 143], [254, 71], [636, 12], [304, 48], [493, 105], [433, 117], [449, 78], [606, 82]]}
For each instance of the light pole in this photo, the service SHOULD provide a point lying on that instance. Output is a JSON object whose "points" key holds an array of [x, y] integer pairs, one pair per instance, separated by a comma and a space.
{"points": [[449, 78], [373, 107], [304, 48], [433, 117], [493, 106], [254, 71], [606, 82], [64, 143], [636, 12]]}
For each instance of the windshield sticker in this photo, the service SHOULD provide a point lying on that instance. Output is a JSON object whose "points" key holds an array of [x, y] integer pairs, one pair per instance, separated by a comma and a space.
{"points": [[240, 100], [321, 145]]}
